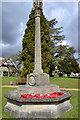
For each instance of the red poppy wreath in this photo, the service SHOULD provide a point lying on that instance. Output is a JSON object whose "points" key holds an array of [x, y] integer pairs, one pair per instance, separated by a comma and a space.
{"points": [[41, 96]]}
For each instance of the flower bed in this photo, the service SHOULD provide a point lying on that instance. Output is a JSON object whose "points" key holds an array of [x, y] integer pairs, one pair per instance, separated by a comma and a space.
{"points": [[41, 96]]}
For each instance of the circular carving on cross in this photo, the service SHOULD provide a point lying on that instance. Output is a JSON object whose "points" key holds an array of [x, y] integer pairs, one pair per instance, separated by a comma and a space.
{"points": [[31, 81]]}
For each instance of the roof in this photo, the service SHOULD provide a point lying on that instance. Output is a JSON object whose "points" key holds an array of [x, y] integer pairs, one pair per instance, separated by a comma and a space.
{"points": [[3, 61], [6, 62]]}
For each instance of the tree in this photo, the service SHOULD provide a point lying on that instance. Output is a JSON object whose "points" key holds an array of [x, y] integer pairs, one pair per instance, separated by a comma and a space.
{"points": [[19, 59], [56, 37], [68, 65], [61, 53], [55, 33], [51, 51], [28, 45]]}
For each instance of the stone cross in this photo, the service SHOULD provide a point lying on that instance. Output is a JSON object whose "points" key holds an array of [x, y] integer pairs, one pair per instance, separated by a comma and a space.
{"points": [[38, 3], [37, 78], [37, 6]]}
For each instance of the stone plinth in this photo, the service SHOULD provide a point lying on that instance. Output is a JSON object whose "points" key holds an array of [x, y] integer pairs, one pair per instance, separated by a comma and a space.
{"points": [[37, 79], [37, 108], [38, 89]]}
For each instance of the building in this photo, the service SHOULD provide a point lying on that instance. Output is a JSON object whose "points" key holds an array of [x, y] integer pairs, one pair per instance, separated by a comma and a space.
{"points": [[7, 67]]}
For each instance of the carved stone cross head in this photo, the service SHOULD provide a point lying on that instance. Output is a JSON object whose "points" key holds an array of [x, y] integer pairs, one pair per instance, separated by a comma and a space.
{"points": [[37, 4]]}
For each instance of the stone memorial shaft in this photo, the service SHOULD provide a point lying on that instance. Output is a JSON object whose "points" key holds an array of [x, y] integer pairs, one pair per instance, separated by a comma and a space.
{"points": [[37, 78], [37, 7]]}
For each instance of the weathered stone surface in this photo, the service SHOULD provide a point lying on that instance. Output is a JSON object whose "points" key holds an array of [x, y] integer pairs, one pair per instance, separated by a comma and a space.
{"points": [[38, 89], [15, 96], [37, 65], [39, 79], [38, 3], [49, 109], [31, 81]]}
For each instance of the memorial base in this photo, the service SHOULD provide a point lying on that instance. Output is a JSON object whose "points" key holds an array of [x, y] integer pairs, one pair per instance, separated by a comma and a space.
{"points": [[37, 108], [23, 89], [37, 79]]}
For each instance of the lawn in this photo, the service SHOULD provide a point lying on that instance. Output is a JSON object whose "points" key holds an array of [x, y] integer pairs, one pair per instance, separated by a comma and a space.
{"points": [[73, 113], [4, 101], [62, 82], [65, 82], [6, 80]]}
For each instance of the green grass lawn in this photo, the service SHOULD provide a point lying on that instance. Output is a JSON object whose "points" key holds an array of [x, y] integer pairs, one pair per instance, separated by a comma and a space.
{"points": [[65, 82], [73, 113], [62, 82], [4, 101], [6, 80]]}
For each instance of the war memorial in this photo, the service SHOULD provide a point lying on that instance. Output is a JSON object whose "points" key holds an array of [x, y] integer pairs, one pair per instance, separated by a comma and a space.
{"points": [[38, 85]]}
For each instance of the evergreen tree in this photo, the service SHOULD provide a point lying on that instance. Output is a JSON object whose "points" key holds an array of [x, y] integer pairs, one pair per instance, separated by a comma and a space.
{"points": [[55, 33], [28, 45], [63, 51], [62, 55], [52, 53], [68, 65], [56, 37]]}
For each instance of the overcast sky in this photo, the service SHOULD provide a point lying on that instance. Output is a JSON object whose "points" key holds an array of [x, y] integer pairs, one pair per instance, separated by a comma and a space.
{"points": [[16, 14]]}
